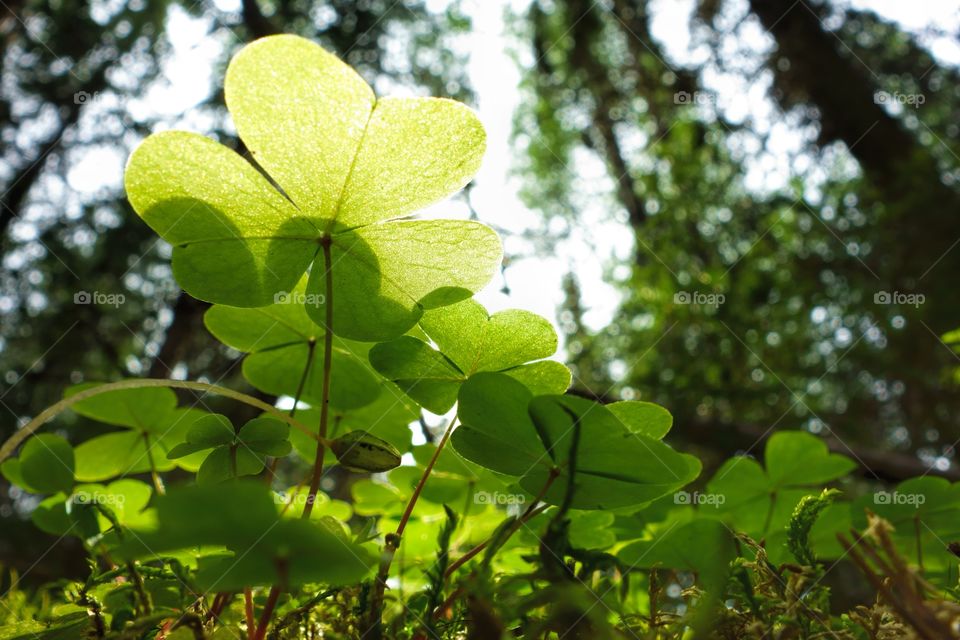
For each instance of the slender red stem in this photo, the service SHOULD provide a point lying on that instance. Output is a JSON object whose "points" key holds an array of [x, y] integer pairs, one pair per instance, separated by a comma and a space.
{"points": [[324, 418], [412, 502], [248, 608], [327, 364], [272, 469], [267, 613], [219, 602], [392, 542]]}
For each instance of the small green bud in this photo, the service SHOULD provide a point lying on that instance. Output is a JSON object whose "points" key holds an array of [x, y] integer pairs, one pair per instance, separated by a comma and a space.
{"points": [[361, 451]]}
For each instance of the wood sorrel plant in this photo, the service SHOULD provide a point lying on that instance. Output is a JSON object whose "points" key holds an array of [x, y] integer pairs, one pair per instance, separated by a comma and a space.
{"points": [[364, 316]]}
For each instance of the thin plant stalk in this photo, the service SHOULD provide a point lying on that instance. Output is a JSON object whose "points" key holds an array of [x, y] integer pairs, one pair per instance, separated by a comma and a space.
{"points": [[267, 613], [248, 611], [327, 364], [392, 541], [324, 418], [311, 346]]}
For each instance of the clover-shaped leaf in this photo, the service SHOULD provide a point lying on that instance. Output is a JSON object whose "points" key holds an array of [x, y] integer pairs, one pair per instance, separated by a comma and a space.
{"points": [[233, 453], [46, 465], [153, 425], [701, 545], [208, 432], [591, 529], [83, 512], [759, 500], [508, 430], [285, 350], [263, 547], [347, 166], [471, 341]]}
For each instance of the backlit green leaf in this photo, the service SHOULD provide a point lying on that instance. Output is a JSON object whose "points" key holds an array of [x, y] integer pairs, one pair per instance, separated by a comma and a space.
{"points": [[266, 435], [226, 463], [923, 514], [702, 546], [471, 341], [211, 431], [145, 408], [642, 417], [350, 164]]}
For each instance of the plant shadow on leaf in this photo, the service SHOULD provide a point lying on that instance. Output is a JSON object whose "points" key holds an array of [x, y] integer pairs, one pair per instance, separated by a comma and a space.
{"points": [[380, 292], [238, 240], [215, 262]]}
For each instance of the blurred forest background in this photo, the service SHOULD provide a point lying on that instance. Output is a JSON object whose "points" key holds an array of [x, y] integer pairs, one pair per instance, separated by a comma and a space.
{"points": [[819, 300]]}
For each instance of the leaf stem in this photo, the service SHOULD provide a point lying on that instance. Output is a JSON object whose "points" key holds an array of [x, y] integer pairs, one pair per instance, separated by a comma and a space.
{"points": [[135, 577], [154, 476], [392, 542], [268, 608], [248, 611], [324, 418], [311, 347], [412, 502], [216, 607], [327, 365], [301, 611], [54, 410]]}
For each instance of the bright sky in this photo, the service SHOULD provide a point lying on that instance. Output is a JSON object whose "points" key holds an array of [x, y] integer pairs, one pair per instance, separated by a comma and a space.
{"points": [[598, 238]]}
